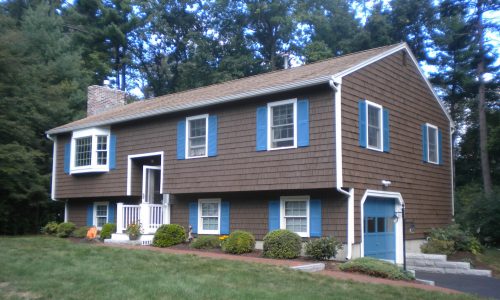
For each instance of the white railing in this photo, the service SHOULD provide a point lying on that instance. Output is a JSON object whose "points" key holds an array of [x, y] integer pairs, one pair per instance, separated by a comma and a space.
{"points": [[151, 216]]}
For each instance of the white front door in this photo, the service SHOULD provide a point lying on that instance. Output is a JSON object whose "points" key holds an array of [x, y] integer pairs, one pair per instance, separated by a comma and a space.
{"points": [[151, 176]]}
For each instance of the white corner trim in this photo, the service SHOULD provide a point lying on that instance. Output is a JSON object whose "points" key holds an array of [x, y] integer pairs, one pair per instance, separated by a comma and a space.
{"points": [[270, 106], [350, 223], [54, 163], [66, 216], [415, 62], [200, 217], [308, 214], [186, 147], [129, 169], [399, 225], [452, 171]]}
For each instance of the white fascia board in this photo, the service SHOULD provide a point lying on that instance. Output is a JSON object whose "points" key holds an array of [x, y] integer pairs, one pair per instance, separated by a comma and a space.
{"points": [[390, 52]]}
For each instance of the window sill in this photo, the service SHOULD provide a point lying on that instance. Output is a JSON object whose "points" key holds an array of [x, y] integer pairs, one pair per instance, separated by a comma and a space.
{"points": [[282, 148], [194, 157], [89, 170], [216, 232], [374, 149]]}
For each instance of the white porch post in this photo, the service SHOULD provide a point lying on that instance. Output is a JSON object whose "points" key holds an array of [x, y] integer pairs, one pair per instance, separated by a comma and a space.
{"points": [[166, 208], [119, 218], [144, 219]]}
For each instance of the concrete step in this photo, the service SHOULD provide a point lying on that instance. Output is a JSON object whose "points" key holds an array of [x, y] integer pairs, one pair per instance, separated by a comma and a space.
{"points": [[310, 268], [426, 257], [438, 264], [441, 270]]}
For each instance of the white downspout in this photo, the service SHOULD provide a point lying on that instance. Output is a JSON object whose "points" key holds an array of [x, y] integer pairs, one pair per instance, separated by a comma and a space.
{"points": [[54, 161], [336, 85], [452, 165]]}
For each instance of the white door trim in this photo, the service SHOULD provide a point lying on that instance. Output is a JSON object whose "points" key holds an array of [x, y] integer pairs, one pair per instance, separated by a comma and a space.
{"points": [[145, 169], [399, 225], [129, 169]]}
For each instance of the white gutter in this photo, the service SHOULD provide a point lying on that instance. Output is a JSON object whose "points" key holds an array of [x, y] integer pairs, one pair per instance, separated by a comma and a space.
{"points": [[336, 85], [54, 160]]}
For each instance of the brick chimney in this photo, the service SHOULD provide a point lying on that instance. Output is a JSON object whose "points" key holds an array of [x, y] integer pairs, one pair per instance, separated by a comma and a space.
{"points": [[103, 98]]}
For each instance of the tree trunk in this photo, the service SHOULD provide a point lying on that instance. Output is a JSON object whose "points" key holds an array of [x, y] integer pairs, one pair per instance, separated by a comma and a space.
{"points": [[483, 130]]}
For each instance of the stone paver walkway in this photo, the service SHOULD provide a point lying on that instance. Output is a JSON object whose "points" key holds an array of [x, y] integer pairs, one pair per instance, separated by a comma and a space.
{"points": [[290, 263]]}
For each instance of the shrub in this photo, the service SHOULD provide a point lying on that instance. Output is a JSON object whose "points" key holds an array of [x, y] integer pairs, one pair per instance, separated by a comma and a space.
{"points": [[282, 243], [323, 248], [50, 228], [239, 242], [206, 242], [80, 232], [377, 268], [107, 230], [65, 230], [169, 235], [450, 239]]}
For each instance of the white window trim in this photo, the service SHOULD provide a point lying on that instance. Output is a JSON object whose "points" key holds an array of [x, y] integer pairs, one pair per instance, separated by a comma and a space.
{"points": [[283, 199], [95, 212], [269, 124], [369, 103], [427, 126], [205, 116], [94, 167], [200, 219]]}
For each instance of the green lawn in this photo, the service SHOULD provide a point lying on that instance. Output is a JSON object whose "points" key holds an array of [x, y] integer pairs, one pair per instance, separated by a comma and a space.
{"points": [[52, 268]]}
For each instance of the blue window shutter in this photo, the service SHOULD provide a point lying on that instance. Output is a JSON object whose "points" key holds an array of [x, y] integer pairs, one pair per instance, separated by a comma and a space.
{"points": [[67, 157], [440, 147], [302, 123], [224, 217], [112, 212], [112, 152], [261, 128], [362, 123], [315, 218], [193, 216], [212, 136], [274, 215], [90, 214], [385, 120], [424, 142], [181, 139]]}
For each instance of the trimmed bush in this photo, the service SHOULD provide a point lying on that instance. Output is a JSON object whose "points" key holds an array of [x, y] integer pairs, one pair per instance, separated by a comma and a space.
{"points": [[80, 232], [206, 242], [323, 248], [107, 230], [65, 230], [438, 247], [377, 268], [169, 235], [282, 243], [50, 228], [449, 240], [239, 242]]}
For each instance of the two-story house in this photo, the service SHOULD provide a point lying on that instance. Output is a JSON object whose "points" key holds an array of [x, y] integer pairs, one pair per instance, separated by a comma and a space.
{"points": [[333, 148]]}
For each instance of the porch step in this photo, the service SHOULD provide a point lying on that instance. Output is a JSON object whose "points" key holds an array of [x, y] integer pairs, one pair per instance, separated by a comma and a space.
{"points": [[122, 238], [317, 267], [436, 263]]}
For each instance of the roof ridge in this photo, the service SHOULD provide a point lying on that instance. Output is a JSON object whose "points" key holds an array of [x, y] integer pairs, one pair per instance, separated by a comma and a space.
{"points": [[270, 72]]}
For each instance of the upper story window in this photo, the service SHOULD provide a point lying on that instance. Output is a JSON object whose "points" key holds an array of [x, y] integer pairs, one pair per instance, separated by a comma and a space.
{"points": [[373, 126], [282, 116], [295, 214], [89, 150], [374, 123], [432, 144], [196, 133]]}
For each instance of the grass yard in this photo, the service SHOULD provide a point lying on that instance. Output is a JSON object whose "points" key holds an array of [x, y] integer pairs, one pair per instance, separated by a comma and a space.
{"points": [[491, 258], [51, 268]]}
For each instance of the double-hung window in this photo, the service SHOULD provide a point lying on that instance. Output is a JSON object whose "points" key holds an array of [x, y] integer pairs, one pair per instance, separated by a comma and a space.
{"points": [[374, 126], [196, 136], [295, 214], [100, 213], [282, 120], [431, 140], [90, 150], [209, 216]]}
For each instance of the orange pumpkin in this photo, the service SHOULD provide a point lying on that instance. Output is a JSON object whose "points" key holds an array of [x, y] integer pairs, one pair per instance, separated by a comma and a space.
{"points": [[92, 233]]}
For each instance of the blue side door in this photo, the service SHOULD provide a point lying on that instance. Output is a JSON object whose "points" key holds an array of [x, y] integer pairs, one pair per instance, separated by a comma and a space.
{"points": [[379, 233]]}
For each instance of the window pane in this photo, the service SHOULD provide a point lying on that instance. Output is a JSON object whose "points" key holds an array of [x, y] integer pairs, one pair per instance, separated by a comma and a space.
{"points": [[102, 153], [432, 132], [210, 209], [370, 225], [101, 221], [83, 153], [380, 224], [102, 210], [296, 224], [295, 208], [282, 126], [374, 127], [210, 223]]}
